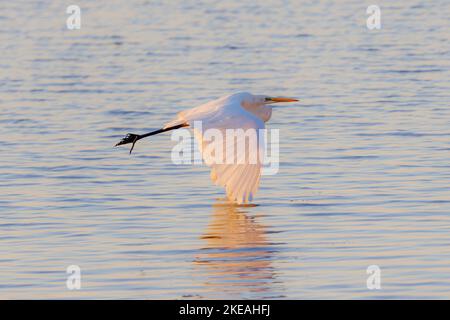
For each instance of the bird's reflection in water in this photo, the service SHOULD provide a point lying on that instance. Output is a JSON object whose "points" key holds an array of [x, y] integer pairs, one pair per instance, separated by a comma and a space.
{"points": [[236, 257]]}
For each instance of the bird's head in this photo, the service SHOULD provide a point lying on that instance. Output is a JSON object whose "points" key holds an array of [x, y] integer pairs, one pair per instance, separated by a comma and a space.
{"points": [[259, 104], [250, 101]]}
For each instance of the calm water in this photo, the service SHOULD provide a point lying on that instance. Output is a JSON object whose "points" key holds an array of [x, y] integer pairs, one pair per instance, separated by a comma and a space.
{"points": [[364, 175]]}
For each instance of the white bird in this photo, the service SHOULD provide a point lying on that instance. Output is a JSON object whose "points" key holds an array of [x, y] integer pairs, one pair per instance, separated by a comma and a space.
{"points": [[242, 110]]}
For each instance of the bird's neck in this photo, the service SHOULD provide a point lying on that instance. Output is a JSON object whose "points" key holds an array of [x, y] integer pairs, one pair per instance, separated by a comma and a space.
{"points": [[263, 112]]}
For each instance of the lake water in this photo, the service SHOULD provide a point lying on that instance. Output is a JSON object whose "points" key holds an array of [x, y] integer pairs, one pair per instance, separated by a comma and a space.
{"points": [[364, 157]]}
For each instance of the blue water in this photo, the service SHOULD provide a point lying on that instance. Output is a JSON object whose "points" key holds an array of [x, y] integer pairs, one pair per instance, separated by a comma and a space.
{"points": [[364, 157]]}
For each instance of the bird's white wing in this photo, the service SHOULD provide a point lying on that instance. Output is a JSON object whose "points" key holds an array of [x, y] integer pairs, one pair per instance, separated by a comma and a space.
{"points": [[200, 113], [238, 167], [240, 173]]}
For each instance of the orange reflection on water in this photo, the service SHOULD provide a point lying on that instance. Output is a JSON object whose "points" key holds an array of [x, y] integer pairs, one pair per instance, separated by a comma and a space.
{"points": [[237, 256]]}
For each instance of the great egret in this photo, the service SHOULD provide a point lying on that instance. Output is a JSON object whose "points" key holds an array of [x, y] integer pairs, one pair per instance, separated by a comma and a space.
{"points": [[237, 111]]}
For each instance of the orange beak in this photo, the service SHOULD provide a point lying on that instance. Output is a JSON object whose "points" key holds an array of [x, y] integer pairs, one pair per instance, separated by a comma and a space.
{"points": [[280, 99]]}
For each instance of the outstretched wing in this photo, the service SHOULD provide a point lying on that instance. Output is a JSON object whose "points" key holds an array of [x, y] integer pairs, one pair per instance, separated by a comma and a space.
{"points": [[234, 151], [236, 168]]}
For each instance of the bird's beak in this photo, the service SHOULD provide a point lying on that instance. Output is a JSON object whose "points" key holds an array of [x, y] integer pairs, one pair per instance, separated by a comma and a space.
{"points": [[279, 99]]}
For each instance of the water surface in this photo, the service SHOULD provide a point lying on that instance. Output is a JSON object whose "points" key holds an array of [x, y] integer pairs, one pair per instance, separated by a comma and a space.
{"points": [[364, 158]]}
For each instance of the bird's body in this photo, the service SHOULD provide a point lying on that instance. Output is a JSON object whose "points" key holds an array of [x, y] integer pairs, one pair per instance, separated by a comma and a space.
{"points": [[241, 112], [231, 106]]}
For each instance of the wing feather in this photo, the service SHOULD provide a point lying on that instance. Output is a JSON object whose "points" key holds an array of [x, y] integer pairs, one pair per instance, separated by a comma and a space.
{"points": [[241, 176]]}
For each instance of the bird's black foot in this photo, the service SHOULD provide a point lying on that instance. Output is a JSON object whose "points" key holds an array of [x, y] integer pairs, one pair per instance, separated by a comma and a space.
{"points": [[129, 138]]}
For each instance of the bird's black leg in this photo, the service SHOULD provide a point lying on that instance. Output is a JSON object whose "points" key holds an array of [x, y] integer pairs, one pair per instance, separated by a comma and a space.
{"points": [[133, 138]]}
